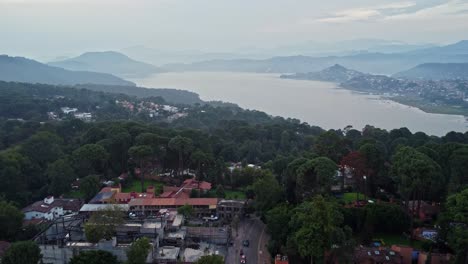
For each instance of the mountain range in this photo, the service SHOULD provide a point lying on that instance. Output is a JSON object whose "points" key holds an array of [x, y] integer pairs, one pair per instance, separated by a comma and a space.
{"points": [[376, 63], [349, 47], [436, 71], [307, 48], [19, 69], [108, 62]]}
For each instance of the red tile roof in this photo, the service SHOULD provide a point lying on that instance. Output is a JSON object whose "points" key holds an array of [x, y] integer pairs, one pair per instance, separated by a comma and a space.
{"points": [[123, 196], [167, 194], [194, 184], [182, 194], [126, 197]]}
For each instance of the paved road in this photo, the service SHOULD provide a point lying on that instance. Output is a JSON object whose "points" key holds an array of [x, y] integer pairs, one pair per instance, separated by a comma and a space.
{"points": [[251, 229]]}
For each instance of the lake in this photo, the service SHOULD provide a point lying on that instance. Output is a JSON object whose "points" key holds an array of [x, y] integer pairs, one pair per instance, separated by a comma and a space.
{"points": [[317, 103]]}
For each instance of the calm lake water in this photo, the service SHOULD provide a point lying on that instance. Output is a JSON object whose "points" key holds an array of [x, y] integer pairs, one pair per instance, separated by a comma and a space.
{"points": [[317, 103]]}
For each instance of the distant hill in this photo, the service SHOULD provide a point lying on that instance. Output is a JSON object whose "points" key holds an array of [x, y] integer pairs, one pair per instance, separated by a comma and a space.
{"points": [[19, 69], [460, 47], [436, 71], [375, 63], [169, 95], [335, 73], [108, 62]]}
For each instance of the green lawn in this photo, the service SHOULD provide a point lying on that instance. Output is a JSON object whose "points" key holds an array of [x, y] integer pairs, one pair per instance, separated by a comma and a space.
{"points": [[393, 239], [351, 197], [234, 194], [229, 194], [135, 186]]}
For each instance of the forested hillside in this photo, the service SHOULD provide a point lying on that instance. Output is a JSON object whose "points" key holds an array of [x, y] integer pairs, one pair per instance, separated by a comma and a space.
{"points": [[292, 184], [19, 69]]}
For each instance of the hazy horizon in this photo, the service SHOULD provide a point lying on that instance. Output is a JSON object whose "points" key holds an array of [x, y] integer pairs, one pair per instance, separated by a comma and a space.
{"points": [[53, 28]]}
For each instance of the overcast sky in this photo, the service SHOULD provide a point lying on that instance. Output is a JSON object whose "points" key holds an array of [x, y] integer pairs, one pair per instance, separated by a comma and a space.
{"points": [[60, 27]]}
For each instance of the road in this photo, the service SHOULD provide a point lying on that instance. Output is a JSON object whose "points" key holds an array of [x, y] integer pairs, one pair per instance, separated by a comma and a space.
{"points": [[254, 230]]}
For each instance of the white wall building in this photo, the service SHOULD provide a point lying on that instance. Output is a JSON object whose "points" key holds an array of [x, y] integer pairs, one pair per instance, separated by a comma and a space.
{"points": [[51, 208]]}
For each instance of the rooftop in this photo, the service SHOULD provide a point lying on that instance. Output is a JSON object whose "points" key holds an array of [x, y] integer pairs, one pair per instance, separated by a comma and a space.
{"points": [[178, 220], [180, 234], [152, 224], [168, 253], [231, 202], [100, 207], [43, 207], [174, 202], [194, 184], [102, 196], [192, 255]]}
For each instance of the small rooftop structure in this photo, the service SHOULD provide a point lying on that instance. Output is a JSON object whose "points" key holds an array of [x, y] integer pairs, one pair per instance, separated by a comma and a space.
{"points": [[193, 255], [167, 253], [67, 110], [178, 220], [179, 234]]}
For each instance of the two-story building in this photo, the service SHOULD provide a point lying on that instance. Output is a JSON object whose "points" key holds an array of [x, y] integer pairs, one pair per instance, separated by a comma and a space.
{"points": [[51, 208], [201, 206], [227, 209]]}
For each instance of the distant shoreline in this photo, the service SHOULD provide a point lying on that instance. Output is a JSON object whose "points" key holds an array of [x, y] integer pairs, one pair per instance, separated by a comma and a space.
{"points": [[414, 102]]}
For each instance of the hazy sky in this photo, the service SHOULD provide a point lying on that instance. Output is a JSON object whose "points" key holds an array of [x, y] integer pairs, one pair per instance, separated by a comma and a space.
{"points": [[61, 27]]}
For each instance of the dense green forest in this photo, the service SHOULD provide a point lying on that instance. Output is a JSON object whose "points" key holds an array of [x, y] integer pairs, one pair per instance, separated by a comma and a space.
{"points": [[292, 191]]}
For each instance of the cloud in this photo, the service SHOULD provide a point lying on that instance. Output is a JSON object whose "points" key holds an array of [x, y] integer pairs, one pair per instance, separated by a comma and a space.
{"points": [[396, 11], [357, 14], [365, 13], [450, 8]]}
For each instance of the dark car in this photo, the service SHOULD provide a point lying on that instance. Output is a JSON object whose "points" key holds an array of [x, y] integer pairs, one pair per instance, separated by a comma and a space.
{"points": [[246, 243]]}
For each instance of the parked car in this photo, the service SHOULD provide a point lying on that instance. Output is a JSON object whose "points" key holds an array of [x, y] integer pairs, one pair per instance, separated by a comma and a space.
{"points": [[246, 243]]}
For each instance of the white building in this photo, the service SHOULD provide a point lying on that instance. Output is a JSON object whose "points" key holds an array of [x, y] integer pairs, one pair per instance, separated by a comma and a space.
{"points": [[67, 110], [51, 208], [84, 116]]}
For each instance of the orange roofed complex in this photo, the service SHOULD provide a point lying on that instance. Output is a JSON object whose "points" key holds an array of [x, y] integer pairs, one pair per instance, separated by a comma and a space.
{"points": [[146, 204], [110, 195]]}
